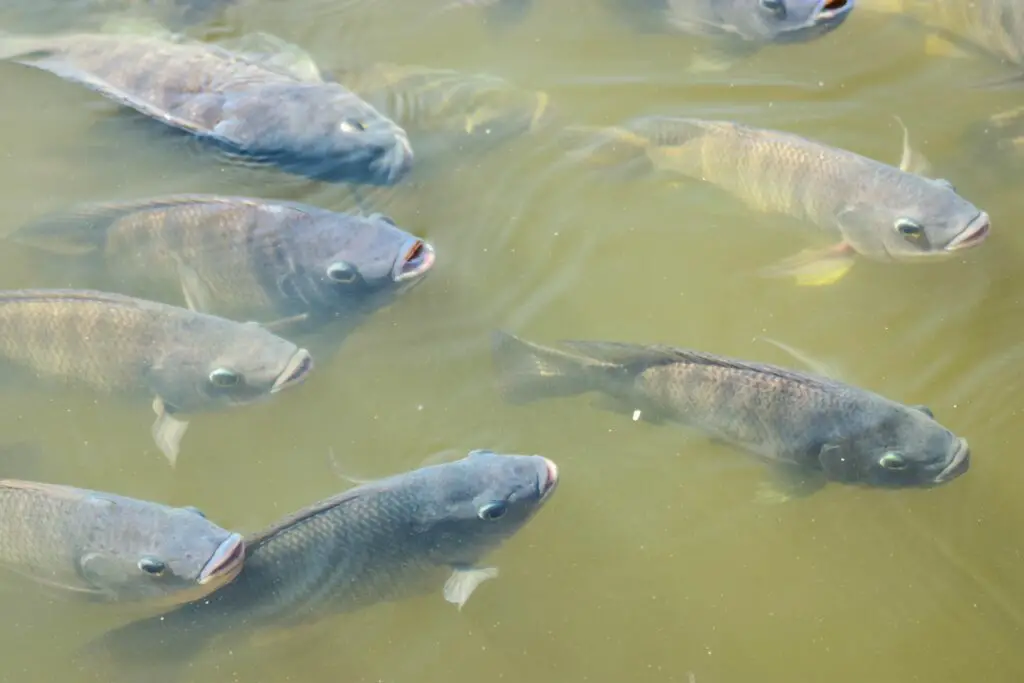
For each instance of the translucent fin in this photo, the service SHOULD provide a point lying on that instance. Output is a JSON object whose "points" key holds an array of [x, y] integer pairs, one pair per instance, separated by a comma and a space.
{"points": [[815, 267], [912, 160], [461, 584], [167, 431]]}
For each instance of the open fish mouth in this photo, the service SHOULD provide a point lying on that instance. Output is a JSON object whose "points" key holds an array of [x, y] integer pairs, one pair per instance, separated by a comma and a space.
{"points": [[297, 370], [957, 465], [974, 234], [417, 260], [550, 482], [226, 562], [831, 10]]}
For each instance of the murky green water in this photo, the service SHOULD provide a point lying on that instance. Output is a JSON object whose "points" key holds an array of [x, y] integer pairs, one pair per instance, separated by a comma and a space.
{"points": [[654, 560]]}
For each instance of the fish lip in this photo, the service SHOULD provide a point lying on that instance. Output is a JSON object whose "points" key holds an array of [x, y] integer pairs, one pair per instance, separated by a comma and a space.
{"points": [[957, 465], [295, 372], [974, 234], [226, 561], [830, 10], [417, 259], [399, 158], [550, 483]]}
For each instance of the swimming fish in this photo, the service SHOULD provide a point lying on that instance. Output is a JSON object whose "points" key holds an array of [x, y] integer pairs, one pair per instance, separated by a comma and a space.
{"points": [[382, 541], [878, 211], [184, 362], [109, 548], [815, 427], [283, 264], [249, 110]]}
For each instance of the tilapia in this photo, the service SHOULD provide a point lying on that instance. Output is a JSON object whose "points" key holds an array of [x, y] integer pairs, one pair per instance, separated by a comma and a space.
{"points": [[55, 15], [283, 264], [817, 427], [878, 211], [248, 109], [737, 28], [184, 362], [963, 27], [105, 547], [382, 541]]}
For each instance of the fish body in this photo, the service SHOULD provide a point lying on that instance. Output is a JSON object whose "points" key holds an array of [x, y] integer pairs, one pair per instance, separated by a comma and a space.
{"points": [[106, 547], [382, 541], [819, 425], [185, 362], [879, 211], [50, 15], [239, 257], [248, 109]]}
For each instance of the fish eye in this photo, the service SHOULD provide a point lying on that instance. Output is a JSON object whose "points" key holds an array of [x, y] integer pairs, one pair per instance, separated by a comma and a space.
{"points": [[492, 511], [776, 7], [152, 566], [343, 272], [222, 377], [909, 229], [893, 461], [194, 510], [351, 126]]}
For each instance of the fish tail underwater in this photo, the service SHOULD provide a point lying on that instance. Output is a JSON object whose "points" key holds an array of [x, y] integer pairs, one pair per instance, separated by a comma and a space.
{"points": [[529, 372]]}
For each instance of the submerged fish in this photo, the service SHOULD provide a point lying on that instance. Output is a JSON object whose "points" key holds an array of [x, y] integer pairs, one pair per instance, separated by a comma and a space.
{"points": [[448, 107], [738, 27], [816, 427], [107, 547], [963, 27], [385, 540], [184, 362], [282, 264], [248, 109], [50, 15], [878, 211]]}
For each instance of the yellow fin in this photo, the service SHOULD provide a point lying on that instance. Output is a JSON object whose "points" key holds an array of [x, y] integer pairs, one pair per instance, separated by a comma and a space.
{"points": [[815, 267], [937, 46]]}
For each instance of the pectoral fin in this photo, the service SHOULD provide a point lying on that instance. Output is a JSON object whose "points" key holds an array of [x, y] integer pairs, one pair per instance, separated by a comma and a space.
{"points": [[789, 482], [815, 267], [282, 324], [912, 160], [197, 295], [167, 431], [461, 584]]}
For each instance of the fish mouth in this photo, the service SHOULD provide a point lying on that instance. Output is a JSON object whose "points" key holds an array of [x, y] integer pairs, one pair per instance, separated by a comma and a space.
{"points": [[398, 160], [974, 234], [831, 10], [295, 372], [957, 465], [417, 260], [226, 562], [550, 483]]}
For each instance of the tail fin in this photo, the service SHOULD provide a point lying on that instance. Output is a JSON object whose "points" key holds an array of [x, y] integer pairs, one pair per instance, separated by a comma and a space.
{"points": [[528, 372]]}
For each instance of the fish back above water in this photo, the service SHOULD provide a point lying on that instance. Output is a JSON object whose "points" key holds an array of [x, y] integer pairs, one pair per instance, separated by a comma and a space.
{"points": [[847, 433], [107, 547], [240, 257], [321, 130], [385, 540]]}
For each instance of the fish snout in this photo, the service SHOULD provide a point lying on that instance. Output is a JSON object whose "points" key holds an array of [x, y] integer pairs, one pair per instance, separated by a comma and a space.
{"points": [[298, 368], [396, 161], [549, 480], [416, 261], [831, 10], [975, 233], [225, 563], [959, 462]]}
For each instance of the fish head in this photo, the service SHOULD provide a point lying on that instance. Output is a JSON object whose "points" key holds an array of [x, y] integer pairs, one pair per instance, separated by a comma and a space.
{"points": [[156, 554], [370, 261], [897, 446], [323, 131], [224, 363], [470, 506], [912, 218], [788, 21]]}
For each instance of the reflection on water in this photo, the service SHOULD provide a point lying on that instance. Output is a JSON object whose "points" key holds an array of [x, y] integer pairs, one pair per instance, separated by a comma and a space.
{"points": [[655, 559]]}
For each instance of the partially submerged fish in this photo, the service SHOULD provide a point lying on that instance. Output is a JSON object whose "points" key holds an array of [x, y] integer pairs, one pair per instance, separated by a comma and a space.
{"points": [[51, 15], [738, 28], [385, 540], [184, 362], [815, 427], [110, 548], [249, 109], [282, 264], [878, 211]]}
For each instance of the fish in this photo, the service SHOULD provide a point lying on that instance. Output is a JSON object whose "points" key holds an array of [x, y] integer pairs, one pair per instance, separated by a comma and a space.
{"points": [[962, 28], [135, 349], [285, 265], [47, 16], [736, 29], [881, 212], [817, 428], [103, 547], [248, 110], [386, 540]]}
